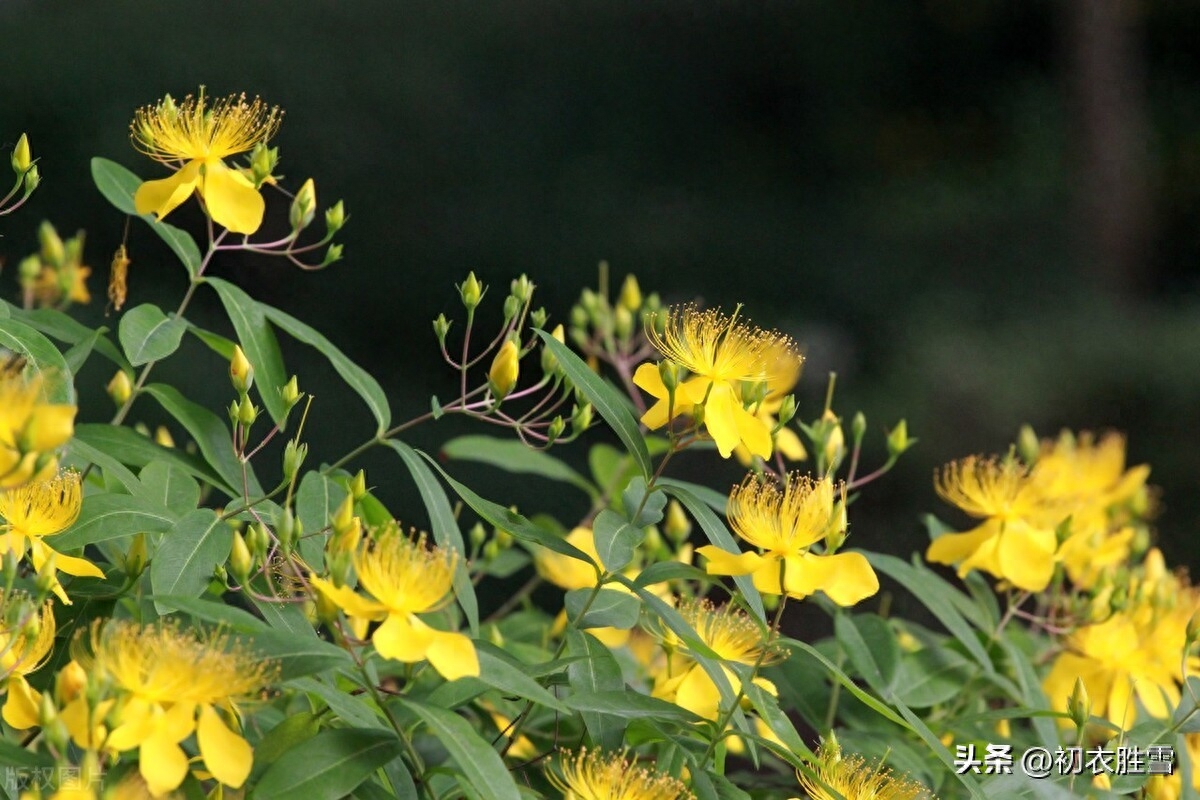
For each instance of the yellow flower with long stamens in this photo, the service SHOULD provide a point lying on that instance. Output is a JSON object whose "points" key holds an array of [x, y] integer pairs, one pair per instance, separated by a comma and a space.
{"points": [[173, 682], [198, 135], [30, 427], [784, 521], [722, 354], [26, 637], [733, 636], [593, 775], [1016, 540], [405, 578], [853, 779], [781, 379], [45, 508]]}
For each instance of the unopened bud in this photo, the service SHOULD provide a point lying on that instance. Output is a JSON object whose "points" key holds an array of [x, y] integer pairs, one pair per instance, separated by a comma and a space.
{"points": [[538, 318], [32, 179], [304, 206], [441, 326], [335, 218], [549, 361], [28, 271], [506, 368], [1079, 705], [1028, 446], [290, 392], [162, 437], [522, 289], [247, 413], [858, 427], [581, 417], [835, 440], [622, 322], [294, 454], [677, 526], [286, 530], [241, 373], [47, 577], [334, 253], [512, 305], [263, 160], [358, 485], [579, 317], [668, 371], [343, 517], [630, 298], [897, 439], [52, 249], [240, 562], [477, 535], [491, 550], [120, 388], [556, 429], [471, 292], [135, 557], [787, 409], [70, 682], [22, 157]]}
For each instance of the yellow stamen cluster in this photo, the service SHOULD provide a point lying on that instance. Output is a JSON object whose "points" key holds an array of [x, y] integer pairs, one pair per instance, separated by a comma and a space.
{"points": [[405, 573], [166, 663], [712, 345], [30, 427], [26, 635], [784, 518], [593, 775], [201, 129], [43, 508], [853, 779], [729, 632], [987, 487]]}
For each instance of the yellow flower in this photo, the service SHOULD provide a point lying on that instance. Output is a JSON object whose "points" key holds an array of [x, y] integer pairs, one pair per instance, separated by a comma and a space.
{"points": [[173, 682], [26, 637], [30, 428], [593, 775], [42, 509], [781, 379], [722, 354], [853, 779], [733, 636], [570, 573], [405, 578], [1016, 540], [784, 522], [201, 135]]}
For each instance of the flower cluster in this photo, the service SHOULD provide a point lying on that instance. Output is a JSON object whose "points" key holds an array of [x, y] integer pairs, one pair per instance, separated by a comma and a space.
{"points": [[595, 775], [31, 428]]}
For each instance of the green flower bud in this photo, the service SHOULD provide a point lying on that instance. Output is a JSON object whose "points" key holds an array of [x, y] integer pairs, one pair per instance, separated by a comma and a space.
{"points": [[120, 388], [53, 251], [630, 298], [33, 179], [471, 292], [549, 362], [263, 161], [557, 426], [477, 535], [623, 322], [1079, 705], [247, 413], [290, 393], [28, 271], [343, 517], [522, 289], [304, 206], [579, 317], [22, 157], [897, 439], [334, 253], [787, 409], [581, 417], [538, 318], [286, 530], [512, 306], [135, 557], [858, 426], [441, 326], [335, 218], [358, 485], [240, 562], [1028, 446]]}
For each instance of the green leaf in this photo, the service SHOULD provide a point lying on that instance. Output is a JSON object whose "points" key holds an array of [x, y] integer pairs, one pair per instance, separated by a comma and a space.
{"points": [[211, 434], [259, 344], [930, 676], [328, 766], [355, 376], [516, 457], [1187, 716], [719, 535], [187, 556], [118, 186], [129, 447], [635, 497], [290, 732], [871, 645], [147, 334], [501, 671], [169, 485], [77, 356], [476, 762], [629, 705], [285, 617], [298, 654], [43, 357], [610, 609], [214, 341], [233, 618], [58, 325], [616, 539], [113, 516], [80, 454], [604, 398], [596, 670], [355, 709], [445, 527], [316, 501]]}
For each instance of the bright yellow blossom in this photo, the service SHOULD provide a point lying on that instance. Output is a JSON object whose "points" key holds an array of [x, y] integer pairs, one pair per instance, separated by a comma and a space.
{"points": [[853, 779], [30, 427], [722, 354], [45, 508], [198, 135], [780, 380], [22, 653], [405, 578], [784, 521], [593, 775], [172, 682], [570, 573]]}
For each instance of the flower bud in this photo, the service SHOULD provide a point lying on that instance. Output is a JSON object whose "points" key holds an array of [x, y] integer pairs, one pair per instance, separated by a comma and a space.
{"points": [[512, 305], [441, 326], [335, 218], [263, 161], [22, 157], [287, 529], [120, 388], [787, 410], [358, 485], [294, 453], [669, 372], [581, 417], [549, 361], [677, 526], [28, 271], [1028, 446], [1079, 706], [70, 682], [579, 317], [32, 179], [135, 557], [491, 550], [240, 562], [471, 292], [247, 413], [630, 298], [622, 322], [897, 439], [538, 318], [304, 206], [343, 517], [334, 253], [241, 373], [522, 289], [53, 251], [477, 535], [47, 577], [557, 426], [502, 377], [858, 426], [835, 440], [290, 392], [162, 437]]}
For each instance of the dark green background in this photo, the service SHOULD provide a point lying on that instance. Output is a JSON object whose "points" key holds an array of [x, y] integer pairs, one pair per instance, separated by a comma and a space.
{"points": [[896, 184]]}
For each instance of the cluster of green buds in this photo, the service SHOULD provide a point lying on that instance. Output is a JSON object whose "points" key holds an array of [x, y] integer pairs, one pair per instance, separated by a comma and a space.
{"points": [[27, 178], [302, 213], [242, 411], [54, 276], [540, 419], [610, 330], [346, 532]]}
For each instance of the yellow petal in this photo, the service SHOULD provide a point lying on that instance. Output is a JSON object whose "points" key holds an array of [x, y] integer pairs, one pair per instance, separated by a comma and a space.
{"points": [[232, 200], [951, 548], [453, 655], [50, 426], [1026, 555], [345, 598], [226, 755], [788, 443], [79, 567], [846, 577], [611, 638], [136, 725], [648, 377], [755, 433], [721, 422], [162, 763], [164, 196], [698, 694], [21, 706], [403, 637], [722, 562]]}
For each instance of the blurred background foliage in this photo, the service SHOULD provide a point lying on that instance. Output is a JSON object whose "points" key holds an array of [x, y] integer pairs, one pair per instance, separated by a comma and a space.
{"points": [[978, 212]]}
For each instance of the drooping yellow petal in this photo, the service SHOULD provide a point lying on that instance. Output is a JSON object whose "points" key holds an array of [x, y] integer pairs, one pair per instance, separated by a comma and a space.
{"points": [[453, 655], [403, 637], [350, 601], [846, 578], [232, 200], [162, 763], [722, 562], [21, 706], [136, 725], [226, 754], [753, 432], [698, 694], [79, 567], [722, 422], [163, 196], [1026, 555]]}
